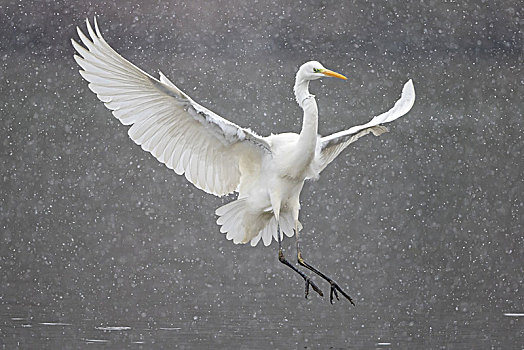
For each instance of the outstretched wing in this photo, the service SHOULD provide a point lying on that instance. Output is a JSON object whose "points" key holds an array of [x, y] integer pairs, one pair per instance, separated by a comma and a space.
{"points": [[332, 145], [179, 132]]}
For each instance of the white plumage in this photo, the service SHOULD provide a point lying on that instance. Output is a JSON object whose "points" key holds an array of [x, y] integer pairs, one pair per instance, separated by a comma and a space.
{"points": [[216, 155]]}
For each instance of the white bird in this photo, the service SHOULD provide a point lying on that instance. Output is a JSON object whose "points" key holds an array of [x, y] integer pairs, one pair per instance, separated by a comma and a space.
{"points": [[221, 157]]}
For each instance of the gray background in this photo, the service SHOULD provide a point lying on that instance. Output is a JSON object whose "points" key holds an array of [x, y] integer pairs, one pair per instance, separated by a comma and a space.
{"points": [[422, 226]]}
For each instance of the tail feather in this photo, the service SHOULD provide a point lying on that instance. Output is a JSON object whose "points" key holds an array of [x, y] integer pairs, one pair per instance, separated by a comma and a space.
{"points": [[267, 232], [286, 224], [242, 226], [255, 240], [227, 208], [230, 222]]}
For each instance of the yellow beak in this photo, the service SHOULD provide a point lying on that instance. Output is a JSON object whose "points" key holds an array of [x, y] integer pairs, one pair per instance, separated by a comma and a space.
{"points": [[333, 74]]}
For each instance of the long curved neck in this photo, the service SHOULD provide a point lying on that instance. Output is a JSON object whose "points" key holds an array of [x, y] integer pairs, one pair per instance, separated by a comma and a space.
{"points": [[301, 89], [308, 134]]}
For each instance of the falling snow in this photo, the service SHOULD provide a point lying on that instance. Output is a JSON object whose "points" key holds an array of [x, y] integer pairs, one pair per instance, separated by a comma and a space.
{"points": [[100, 243]]}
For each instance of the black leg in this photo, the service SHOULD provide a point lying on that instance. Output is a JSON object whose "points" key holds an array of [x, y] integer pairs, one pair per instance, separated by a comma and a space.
{"points": [[334, 286], [283, 260]]}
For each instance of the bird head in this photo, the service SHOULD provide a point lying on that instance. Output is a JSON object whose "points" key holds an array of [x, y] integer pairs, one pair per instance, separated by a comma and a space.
{"points": [[314, 70]]}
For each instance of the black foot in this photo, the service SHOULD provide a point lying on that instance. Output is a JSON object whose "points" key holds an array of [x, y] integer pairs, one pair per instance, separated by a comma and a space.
{"points": [[315, 288], [334, 286], [308, 280]]}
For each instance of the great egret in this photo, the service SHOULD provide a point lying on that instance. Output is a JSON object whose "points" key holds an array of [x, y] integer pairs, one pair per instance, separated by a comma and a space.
{"points": [[219, 156]]}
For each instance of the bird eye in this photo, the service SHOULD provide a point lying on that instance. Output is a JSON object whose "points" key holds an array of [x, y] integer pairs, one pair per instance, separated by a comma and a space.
{"points": [[316, 70]]}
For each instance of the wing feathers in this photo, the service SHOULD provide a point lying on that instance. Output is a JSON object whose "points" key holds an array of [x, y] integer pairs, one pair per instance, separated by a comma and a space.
{"points": [[331, 146], [164, 121], [401, 107]]}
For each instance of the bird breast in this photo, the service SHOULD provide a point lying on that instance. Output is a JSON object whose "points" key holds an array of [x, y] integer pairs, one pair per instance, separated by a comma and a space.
{"points": [[290, 159]]}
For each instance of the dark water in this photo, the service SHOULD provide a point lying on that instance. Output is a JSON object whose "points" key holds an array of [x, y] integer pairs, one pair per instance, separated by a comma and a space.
{"points": [[101, 246]]}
